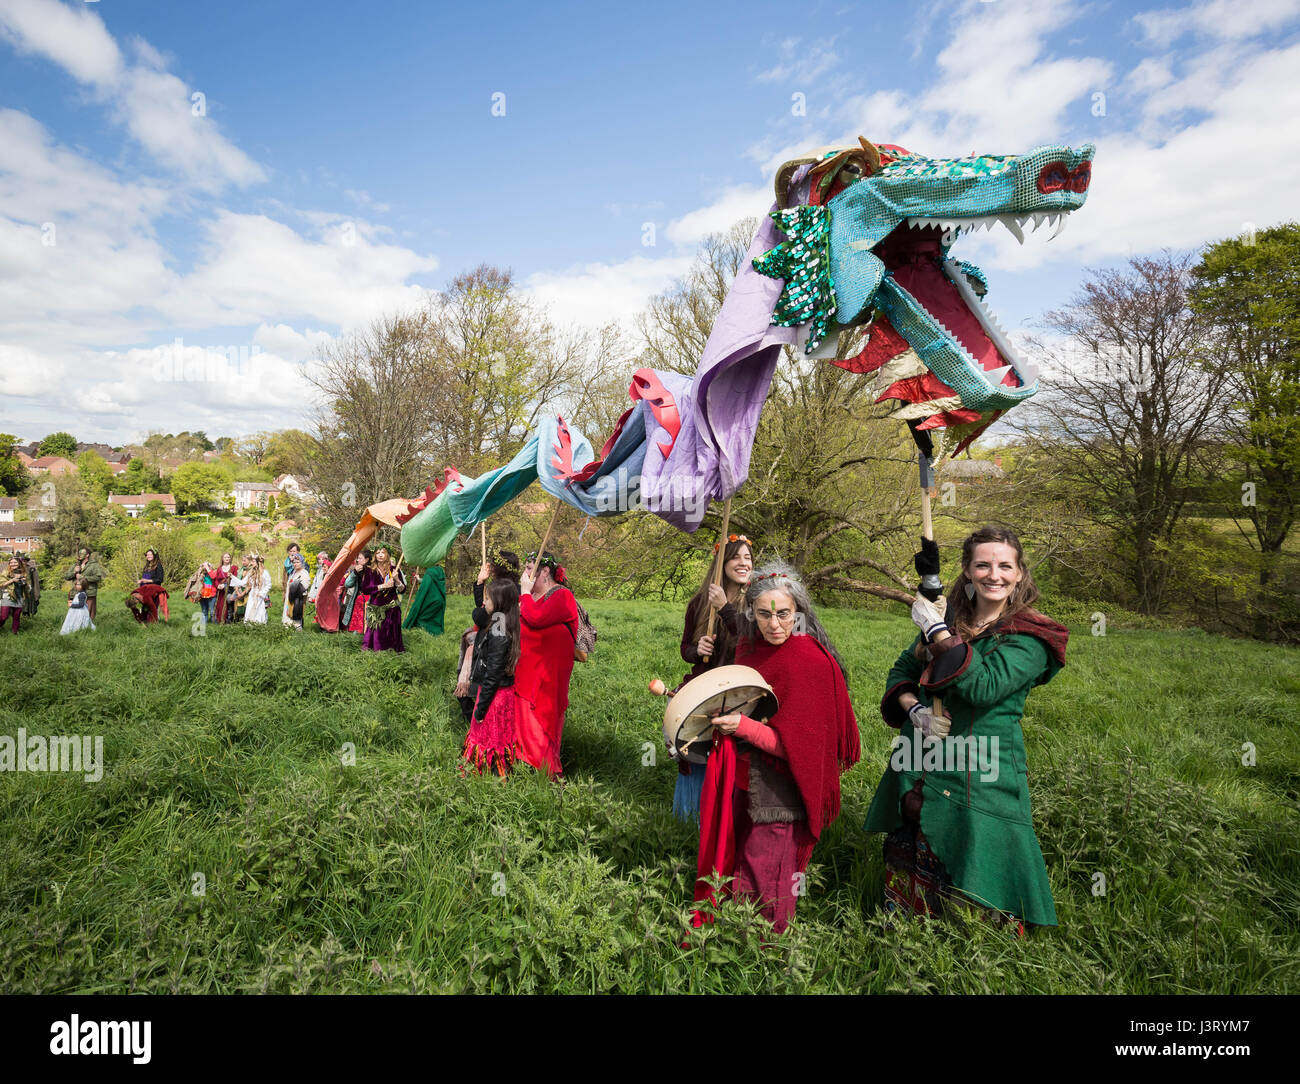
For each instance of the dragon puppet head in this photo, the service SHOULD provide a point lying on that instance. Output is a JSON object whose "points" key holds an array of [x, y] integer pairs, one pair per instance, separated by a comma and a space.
{"points": [[871, 245]]}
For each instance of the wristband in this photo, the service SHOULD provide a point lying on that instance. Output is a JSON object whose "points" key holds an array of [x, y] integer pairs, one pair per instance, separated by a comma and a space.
{"points": [[934, 630]]}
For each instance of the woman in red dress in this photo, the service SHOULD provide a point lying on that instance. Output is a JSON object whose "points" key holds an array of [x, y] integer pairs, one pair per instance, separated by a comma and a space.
{"points": [[548, 632]]}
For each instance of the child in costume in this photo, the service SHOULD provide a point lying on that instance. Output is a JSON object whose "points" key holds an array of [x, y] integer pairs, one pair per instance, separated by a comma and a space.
{"points": [[78, 613], [492, 741]]}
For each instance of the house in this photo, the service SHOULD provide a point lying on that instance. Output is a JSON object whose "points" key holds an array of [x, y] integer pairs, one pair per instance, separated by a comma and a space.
{"points": [[116, 468], [972, 470], [53, 465], [290, 485], [118, 457], [20, 537], [8, 505], [254, 494], [23, 458], [135, 503], [101, 450]]}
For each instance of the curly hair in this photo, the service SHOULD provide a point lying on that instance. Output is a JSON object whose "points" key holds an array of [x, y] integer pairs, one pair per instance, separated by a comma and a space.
{"points": [[779, 576]]}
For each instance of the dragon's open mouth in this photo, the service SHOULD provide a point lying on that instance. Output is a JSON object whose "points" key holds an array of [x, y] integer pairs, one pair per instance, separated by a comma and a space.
{"points": [[941, 299]]}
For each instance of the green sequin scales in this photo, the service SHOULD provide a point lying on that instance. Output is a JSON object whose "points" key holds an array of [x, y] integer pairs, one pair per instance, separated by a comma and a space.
{"points": [[804, 263]]}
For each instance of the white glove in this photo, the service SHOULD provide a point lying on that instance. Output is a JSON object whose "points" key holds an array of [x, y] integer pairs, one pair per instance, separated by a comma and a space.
{"points": [[927, 617], [929, 724]]}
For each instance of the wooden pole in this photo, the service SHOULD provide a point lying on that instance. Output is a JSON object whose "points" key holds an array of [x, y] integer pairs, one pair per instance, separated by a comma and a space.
{"points": [[927, 531], [483, 536], [547, 536], [718, 562]]}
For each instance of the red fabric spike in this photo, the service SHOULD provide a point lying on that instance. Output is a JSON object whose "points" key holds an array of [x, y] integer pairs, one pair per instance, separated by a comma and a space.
{"points": [[563, 460], [647, 385], [950, 417], [917, 389], [882, 344], [963, 445], [430, 494]]}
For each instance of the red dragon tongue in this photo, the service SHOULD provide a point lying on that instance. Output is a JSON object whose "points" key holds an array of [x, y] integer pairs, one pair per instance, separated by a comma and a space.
{"points": [[927, 283]]}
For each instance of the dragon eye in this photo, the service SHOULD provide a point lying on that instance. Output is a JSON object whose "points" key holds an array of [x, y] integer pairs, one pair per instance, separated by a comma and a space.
{"points": [[1053, 177]]}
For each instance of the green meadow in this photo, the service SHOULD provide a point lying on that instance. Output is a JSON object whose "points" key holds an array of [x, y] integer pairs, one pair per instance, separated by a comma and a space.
{"points": [[228, 847]]}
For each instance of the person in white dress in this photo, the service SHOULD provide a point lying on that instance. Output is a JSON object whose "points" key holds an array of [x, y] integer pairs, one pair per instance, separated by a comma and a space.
{"points": [[78, 613], [258, 582]]}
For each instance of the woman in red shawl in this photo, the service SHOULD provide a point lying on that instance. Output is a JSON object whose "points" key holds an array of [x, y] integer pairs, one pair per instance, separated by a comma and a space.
{"points": [[773, 785], [548, 631], [149, 595]]}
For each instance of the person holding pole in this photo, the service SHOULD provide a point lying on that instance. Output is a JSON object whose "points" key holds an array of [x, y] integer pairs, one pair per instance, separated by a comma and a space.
{"points": [[959, 829], [548, 627], [719, 597]]}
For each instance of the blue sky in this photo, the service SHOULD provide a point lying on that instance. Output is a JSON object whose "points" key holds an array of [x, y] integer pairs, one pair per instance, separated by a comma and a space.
{"points": [[345, 160]]}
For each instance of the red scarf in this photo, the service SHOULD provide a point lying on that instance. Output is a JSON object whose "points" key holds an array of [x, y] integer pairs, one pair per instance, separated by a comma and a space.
{"points": [[1032, 623], [818, 729]]}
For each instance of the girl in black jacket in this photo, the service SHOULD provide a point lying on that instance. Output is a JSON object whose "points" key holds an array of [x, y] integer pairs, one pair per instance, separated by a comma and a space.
{"points": [[492, 735]]}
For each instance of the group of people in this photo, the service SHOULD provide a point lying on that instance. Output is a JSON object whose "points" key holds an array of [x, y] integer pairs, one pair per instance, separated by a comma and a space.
{"points": [[959, 838], [959, 835], [228, 593]]}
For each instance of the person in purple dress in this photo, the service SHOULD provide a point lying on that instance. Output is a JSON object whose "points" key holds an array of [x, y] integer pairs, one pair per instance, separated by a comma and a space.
{"points": [[384, 584]]}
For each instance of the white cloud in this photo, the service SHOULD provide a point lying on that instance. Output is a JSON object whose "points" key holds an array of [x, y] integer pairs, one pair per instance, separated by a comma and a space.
{"points": [[733, 204], [596, 293], [154, 105], [802, 63], [73, 37], [1220, 19]]}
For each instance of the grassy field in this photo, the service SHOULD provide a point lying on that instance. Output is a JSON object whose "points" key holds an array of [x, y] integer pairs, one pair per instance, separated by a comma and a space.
{"points": [[224, 773]]}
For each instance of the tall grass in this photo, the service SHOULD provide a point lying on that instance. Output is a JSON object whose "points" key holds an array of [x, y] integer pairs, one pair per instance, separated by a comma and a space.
{"points": [[225, 762]]}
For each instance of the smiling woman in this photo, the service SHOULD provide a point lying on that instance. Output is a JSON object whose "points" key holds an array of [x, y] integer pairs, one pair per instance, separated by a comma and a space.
{"points": [[960, 836]]}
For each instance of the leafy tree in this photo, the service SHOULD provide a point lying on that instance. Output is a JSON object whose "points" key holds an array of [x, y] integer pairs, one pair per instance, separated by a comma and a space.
{"points": [[138, 477], [13, 475], [77, 519], [198, 484], [95, 474], [290, 451], [64, 444], [1249, 289], [154, 510], [270, 508]]}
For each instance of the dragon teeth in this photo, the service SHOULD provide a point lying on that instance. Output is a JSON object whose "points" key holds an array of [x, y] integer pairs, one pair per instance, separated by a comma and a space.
{"points": [[1014, 227], [995, 376], [1060, 227]]}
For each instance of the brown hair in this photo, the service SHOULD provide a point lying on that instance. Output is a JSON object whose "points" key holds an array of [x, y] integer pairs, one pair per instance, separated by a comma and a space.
{"points": [[960, 615], [700, 599]]}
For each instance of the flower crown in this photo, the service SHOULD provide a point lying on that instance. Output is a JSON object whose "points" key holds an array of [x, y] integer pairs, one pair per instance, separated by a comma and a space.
{"points": [[500, 560], [548, 562], [734, 538]]}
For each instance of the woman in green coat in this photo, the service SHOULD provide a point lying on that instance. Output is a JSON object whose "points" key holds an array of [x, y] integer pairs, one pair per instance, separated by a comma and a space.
{"points": [[954, 800]]}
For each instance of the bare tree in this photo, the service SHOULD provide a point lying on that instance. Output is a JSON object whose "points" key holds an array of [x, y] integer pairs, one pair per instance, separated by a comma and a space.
{"points": [[373, 429], [1133, 400]]}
